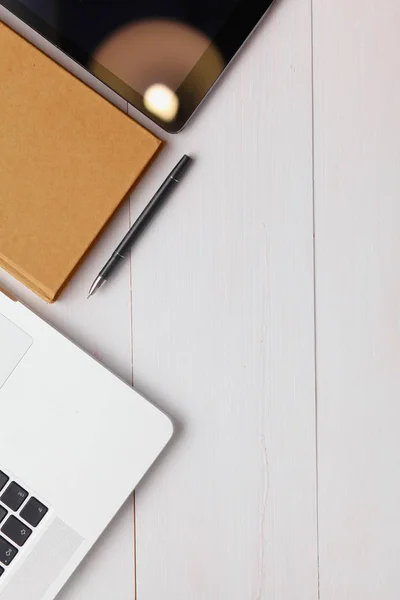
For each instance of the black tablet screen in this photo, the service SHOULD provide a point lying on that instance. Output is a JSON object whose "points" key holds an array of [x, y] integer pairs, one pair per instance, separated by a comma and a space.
{"points": [[146, 49]]}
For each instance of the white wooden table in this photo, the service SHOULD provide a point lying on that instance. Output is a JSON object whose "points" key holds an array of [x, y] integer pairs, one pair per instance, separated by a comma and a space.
{"points": [[278, 355]]}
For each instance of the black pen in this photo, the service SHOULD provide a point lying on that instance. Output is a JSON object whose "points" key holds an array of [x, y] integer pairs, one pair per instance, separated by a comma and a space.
{"points": [[155, 203]]}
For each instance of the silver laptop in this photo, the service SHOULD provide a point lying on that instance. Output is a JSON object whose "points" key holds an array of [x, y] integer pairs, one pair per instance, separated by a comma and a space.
{"points": [[74, 442]]}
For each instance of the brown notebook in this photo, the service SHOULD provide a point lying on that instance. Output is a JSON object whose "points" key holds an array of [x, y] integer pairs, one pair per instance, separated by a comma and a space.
{"points": [[67, 160]]}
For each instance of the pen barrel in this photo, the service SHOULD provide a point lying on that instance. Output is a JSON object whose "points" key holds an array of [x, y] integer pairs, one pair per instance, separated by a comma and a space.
{"points": [[110, 265], [143, 220], [149, 212]]}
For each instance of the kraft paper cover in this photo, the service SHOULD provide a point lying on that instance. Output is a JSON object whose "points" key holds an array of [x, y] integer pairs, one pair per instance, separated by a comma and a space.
{"points": [[68, 158]]}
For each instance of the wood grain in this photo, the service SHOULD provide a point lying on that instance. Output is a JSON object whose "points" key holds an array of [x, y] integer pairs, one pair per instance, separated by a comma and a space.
{"points": [[357, 190], [223, 328]]}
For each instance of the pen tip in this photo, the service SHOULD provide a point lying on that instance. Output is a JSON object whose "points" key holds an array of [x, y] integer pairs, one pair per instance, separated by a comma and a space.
{"points": [[97, 284], [91, 292]]}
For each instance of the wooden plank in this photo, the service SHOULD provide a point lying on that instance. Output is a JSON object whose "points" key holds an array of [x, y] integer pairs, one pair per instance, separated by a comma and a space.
{"points": [[224, 337], [102, 327], [357, 190]]}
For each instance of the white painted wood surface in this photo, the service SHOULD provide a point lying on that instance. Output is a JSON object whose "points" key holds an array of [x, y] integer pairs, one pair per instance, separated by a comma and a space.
{"points": [[224, 339], [215, 321], [357, 199]]}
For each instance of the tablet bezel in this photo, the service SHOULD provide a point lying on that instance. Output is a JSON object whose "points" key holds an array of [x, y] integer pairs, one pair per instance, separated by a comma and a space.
{"points": [[229, 39]]}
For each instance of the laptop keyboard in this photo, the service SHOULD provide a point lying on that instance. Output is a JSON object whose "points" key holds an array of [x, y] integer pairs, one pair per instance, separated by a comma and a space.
{"points": [[18, 517]]}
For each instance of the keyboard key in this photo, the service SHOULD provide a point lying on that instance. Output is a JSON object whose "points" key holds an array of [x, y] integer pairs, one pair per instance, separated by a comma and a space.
{"points": [[7, 552], [14, 496], [14, 529], [3, 479], [1, 571], [33, 512], [3, 513]]}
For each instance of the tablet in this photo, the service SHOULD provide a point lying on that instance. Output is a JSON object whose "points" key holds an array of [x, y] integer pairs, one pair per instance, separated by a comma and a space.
{"points": [[163, 56]]}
